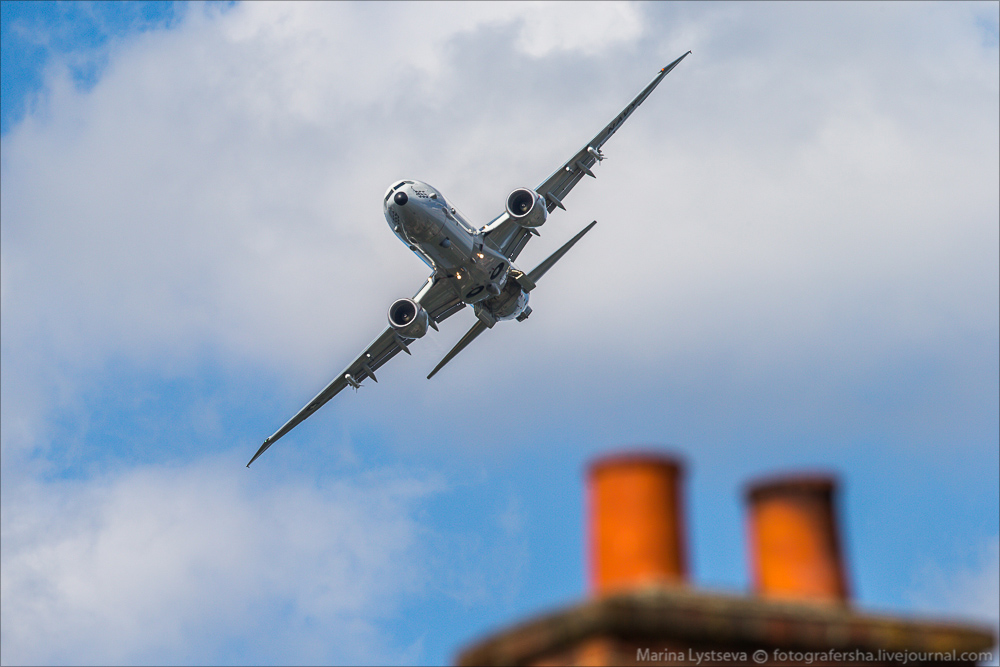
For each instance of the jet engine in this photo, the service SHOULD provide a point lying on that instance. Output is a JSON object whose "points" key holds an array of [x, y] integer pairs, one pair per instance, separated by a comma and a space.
{"points": [[408, 318], [527, 207]]}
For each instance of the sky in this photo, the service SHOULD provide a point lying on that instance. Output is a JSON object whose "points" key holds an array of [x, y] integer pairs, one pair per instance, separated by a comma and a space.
{"points": [[796, 268]]}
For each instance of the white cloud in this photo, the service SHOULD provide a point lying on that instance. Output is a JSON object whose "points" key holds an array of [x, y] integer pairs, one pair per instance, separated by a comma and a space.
{"points": [[194, 564], [548, 27]]}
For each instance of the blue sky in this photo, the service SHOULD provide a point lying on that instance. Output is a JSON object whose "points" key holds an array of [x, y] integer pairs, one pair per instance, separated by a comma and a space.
{"points": [[796, 268]]}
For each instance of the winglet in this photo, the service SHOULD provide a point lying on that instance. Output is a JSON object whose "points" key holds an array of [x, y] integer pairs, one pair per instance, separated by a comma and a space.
{"points": [[263, 448], [669, 67]]}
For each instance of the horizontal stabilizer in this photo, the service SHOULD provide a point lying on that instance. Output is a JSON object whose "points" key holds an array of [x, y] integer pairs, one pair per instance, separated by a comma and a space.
{"points": [[477, 328], [540, 270]]}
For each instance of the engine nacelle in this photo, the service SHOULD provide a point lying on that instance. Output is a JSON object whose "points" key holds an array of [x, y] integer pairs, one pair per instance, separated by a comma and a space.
{"points": [[527, 207], [408, 318]]}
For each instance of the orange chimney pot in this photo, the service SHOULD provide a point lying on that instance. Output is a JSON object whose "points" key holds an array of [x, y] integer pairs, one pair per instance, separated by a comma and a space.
{"points": [[794, 543], [636, 522]]}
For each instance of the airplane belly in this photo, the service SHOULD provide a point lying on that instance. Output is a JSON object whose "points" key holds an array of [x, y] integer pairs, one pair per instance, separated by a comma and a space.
{"points": [[451, 247], [476, 280], [421, 225], [510, 303]]}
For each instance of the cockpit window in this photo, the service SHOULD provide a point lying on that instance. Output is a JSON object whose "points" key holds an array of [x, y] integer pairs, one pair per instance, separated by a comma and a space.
{"points": [[394, 188]]}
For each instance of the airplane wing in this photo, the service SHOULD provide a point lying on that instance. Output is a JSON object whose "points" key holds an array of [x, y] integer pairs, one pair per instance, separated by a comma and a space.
{"points": [[508, 236], [440, 301]]}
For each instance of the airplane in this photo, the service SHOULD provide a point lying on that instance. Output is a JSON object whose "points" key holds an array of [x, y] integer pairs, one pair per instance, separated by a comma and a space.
{"points": [[469, 265]]}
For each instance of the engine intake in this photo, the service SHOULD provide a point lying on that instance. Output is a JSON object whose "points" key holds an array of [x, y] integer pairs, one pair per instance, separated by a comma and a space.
{"points": [[408, 318], [527, 207]]}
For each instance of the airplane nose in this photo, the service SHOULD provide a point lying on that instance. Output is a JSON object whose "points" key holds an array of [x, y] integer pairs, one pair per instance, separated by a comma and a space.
{"points": [[400, 198]]}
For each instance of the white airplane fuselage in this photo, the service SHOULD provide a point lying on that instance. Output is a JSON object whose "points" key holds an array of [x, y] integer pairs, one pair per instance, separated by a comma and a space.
{"points": [[453, 248]]}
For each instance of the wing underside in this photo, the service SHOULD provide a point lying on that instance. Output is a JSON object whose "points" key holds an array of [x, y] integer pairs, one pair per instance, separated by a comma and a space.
{"points": [[508, 236], [440, 301]]}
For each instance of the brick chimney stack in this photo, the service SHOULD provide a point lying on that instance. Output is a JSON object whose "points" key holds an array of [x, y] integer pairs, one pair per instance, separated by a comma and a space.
{"points": [[636, 522], [794, 541]]}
